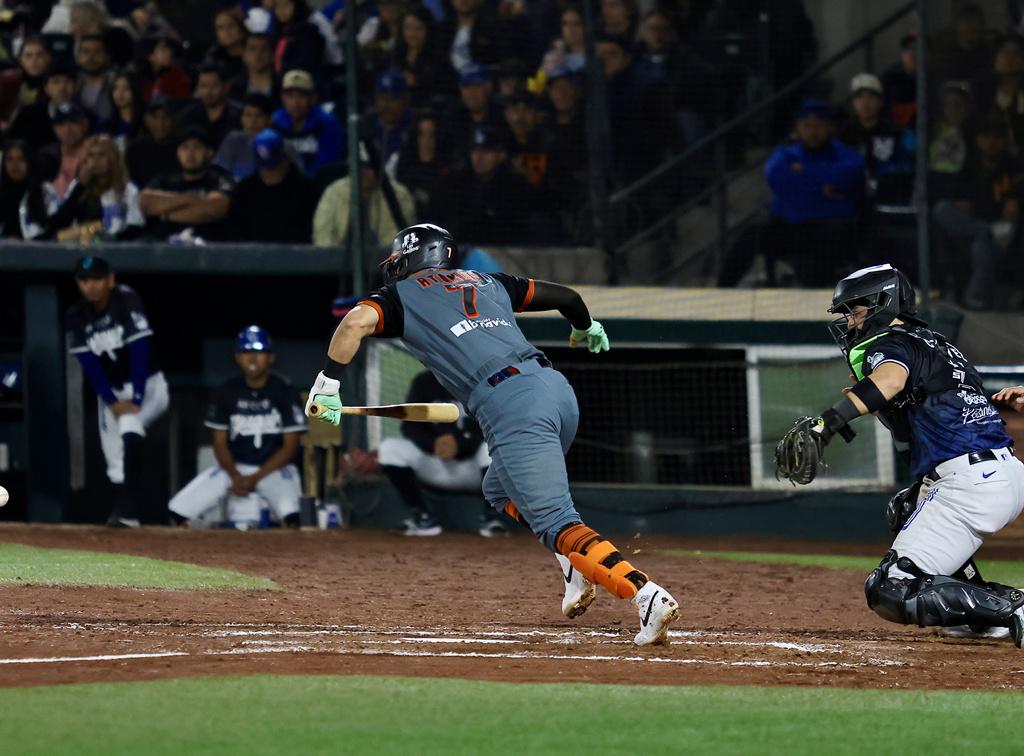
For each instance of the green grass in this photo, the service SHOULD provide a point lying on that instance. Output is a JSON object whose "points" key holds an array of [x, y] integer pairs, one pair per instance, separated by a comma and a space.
{"points": [[388, 715], [1000, 571], [22, 565]]}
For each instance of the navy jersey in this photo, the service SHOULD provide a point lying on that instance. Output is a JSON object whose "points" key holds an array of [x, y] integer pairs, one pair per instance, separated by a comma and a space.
{"points": [[459, 323], [256, 419], [106, 334], [943, 409]]}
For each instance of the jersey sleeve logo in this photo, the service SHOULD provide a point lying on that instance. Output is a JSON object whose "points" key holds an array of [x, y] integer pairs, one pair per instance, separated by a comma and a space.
{"points": [[141, 324], [874, 359]]}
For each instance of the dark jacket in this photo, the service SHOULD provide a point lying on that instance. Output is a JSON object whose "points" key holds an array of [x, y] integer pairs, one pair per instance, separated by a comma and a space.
{"points": [[425, 388], [799, 195]]}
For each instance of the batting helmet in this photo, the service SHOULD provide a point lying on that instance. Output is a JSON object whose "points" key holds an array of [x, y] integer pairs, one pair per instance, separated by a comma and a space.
{"points": [[886, 293], [417, 247], [254, 339]]}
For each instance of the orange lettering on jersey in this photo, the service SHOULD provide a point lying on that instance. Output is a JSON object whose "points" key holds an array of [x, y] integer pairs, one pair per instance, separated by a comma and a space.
{"points": [[455, 277]]}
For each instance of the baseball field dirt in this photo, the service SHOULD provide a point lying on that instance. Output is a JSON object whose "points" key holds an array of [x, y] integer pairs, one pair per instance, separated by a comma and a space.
{"points": [[460, 606]]}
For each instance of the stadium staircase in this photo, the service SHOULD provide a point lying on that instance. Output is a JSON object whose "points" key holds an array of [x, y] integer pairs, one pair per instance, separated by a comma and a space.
{"points": [[683, 243]]}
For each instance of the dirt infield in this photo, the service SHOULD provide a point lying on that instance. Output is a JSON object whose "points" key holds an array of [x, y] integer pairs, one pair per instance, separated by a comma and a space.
{"points": [[358, 602]]}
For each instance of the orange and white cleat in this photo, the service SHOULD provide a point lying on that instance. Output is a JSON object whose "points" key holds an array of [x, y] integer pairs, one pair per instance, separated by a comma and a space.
{"points": [[579, 592]]}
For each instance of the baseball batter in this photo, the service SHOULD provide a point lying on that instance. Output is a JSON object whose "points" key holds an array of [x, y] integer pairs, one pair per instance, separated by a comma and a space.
{"points": [[109, 334], [256, 421], [461, 324], [969, 483]]}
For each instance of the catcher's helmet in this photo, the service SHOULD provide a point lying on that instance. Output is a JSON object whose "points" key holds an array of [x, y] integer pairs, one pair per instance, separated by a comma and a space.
{"points": [[254, 339], [417, 247], [886, 293]]}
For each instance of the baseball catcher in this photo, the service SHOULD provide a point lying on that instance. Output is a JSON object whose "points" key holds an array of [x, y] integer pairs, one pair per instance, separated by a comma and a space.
{"points": [[461, 324], [968, 483]]}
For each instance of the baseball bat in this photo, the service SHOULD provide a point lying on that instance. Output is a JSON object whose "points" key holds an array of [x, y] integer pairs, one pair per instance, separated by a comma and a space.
{"points": [[414, 413]]}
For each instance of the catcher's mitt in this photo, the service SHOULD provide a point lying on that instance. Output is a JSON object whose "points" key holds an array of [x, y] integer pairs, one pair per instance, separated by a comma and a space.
{"points": [[799, 453]]}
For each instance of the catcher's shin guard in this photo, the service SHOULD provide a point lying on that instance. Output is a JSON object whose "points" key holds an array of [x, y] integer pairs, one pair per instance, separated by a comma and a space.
{"points": [[599, 561], [937, 600]]}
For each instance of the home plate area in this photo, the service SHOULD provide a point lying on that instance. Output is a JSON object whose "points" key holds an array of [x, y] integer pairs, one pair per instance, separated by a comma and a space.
{"points": [[461, 607]]}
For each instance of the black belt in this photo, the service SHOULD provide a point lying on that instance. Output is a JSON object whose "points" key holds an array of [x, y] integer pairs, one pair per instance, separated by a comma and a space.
{"points": [[508, 372], [973, 458]]}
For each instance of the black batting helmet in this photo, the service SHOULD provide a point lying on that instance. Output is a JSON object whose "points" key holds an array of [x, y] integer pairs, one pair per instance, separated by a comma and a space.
{"points": [[417, 247]]}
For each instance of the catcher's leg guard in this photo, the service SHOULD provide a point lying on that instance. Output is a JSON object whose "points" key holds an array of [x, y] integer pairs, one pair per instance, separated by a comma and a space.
{"points": [[937, 600], [599, 561]]}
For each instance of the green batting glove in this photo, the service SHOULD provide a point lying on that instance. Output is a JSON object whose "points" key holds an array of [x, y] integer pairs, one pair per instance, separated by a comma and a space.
{"points": [[331, 404], [326, 392], [594, 337]]}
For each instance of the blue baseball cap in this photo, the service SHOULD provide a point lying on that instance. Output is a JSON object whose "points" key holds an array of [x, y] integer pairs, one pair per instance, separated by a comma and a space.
{"points": [[473, 73], [390, 82], [254, 339], [814, 107], [268, 149]]}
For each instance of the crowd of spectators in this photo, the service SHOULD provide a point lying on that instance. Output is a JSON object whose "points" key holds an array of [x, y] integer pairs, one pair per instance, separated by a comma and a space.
{"points": [[842, 184], [119, 126]]}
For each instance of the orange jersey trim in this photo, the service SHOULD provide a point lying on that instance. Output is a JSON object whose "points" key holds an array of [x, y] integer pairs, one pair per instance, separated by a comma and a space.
{"points": [[380, 315], [528, 298]]}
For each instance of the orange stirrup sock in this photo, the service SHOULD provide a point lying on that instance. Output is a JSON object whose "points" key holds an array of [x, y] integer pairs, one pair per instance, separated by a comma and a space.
{"points": [[599, 561], [512, 511]]}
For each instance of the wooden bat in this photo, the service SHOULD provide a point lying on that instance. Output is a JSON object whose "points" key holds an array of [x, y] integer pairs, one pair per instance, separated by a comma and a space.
{"points": [[414, 413]]}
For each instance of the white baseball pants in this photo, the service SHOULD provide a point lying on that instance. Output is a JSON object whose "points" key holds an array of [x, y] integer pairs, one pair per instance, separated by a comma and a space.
{"points": [[280, 489], [457, 475], [112, 427], [956, 512]]}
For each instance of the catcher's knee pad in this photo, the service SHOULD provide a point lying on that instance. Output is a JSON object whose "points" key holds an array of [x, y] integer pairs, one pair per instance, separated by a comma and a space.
{"points": [[599, 561], [937, 600]]}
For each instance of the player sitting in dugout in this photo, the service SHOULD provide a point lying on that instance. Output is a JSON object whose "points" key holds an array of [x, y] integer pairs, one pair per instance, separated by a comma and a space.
{"points": [[256, 422], [448, 457]]}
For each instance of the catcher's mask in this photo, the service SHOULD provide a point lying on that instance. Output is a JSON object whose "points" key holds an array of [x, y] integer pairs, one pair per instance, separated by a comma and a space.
{"points": [[885, 294], [417, 247]]}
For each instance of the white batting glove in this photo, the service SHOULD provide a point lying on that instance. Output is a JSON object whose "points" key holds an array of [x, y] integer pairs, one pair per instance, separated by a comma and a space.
{"points": [[327, 393]]}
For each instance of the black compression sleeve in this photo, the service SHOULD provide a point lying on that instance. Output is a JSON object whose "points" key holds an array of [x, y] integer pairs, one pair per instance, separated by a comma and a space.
{"points": [[837, 419], [552, 296], [868, 392]]}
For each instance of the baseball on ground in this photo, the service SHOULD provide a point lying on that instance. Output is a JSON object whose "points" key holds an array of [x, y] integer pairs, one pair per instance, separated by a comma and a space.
{"points": [[4, 496]]}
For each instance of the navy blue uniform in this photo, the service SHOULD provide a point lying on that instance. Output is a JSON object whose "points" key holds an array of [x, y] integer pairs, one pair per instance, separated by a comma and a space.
{"points": [[945, 412], [256, 419]]}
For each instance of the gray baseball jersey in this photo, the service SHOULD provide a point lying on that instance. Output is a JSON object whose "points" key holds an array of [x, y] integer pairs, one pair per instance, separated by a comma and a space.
{"points": [[459, 323]]}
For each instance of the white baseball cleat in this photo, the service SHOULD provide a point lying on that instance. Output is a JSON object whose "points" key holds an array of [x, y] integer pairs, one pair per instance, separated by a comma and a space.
{"points": [[657, 610], [579, 592], [973, 632]]}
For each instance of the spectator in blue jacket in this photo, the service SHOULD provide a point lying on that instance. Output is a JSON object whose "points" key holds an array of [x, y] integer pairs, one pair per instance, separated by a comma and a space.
{"points": [[817, 183], [309, 131]]}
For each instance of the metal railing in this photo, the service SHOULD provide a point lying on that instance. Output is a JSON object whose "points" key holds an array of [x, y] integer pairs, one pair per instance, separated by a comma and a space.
{"points": [[720, 175]]}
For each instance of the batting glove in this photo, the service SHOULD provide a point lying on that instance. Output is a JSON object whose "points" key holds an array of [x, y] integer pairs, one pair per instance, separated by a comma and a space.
{"points": [[594, 337], [327, 393]]}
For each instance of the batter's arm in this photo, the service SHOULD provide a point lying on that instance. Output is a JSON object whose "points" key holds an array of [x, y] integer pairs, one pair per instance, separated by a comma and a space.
{"points": [[552, 296], [358, 324]]}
